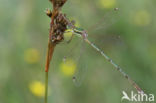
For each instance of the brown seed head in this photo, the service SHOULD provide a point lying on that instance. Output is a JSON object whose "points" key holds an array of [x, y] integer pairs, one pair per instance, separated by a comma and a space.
{"points": [[58, 3]]}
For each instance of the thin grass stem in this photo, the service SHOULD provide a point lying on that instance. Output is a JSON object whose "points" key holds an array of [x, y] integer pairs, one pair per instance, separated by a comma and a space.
{"points": [[46, 87]]}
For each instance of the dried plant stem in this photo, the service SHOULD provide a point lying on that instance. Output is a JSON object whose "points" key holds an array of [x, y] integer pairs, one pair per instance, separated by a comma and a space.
{"points": [[56, 32], [48, 59]]}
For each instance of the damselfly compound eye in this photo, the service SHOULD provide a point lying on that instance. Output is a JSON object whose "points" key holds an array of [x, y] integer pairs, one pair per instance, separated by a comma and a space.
{"points": [[73, 22]]}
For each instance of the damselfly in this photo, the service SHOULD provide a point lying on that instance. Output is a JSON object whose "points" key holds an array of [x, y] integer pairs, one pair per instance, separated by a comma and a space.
{"points": [[84, 35]]}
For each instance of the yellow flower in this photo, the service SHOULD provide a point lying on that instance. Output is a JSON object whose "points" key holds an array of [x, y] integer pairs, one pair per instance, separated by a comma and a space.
{"points": [[107, 3], [37, 88], [31, 56], [68, 67], [141, 18]]}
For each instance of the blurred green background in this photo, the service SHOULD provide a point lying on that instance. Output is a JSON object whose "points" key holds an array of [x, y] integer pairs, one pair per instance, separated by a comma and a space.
{"points": [[128, 36]]}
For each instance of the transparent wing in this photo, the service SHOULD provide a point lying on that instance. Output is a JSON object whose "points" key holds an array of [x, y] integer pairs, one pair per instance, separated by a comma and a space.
{"points": [[108, 19], [73, 62], [103, 31], [81, 71]]}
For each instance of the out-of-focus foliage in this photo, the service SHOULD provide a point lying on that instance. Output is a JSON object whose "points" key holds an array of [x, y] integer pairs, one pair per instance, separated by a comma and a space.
{"points": [[127, 36], [107, 3], [31, 56]]}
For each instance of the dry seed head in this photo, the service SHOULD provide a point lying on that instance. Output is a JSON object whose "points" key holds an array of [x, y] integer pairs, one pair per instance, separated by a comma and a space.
{"points": [[58, 3], [59, 27]]}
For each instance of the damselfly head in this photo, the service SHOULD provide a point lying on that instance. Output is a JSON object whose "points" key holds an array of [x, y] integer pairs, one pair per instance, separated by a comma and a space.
{"points": [[73, 22]]}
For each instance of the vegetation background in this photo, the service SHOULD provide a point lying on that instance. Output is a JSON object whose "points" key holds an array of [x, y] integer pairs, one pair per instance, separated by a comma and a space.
{"points": [[128, 37]]}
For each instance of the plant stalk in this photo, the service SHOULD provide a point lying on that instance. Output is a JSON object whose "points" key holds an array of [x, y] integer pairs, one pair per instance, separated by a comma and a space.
{"points": [[46, 87]]}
